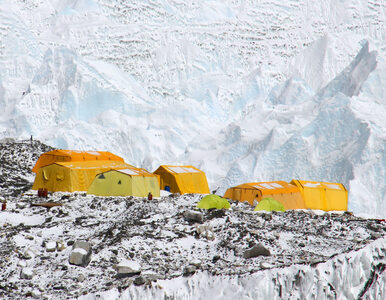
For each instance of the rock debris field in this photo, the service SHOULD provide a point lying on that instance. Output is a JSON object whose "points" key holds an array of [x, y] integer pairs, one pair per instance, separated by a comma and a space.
{"points": [[93, 244]]}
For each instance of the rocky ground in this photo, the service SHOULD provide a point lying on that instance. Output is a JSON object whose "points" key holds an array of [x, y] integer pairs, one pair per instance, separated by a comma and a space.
{"points": [[134, 241]]}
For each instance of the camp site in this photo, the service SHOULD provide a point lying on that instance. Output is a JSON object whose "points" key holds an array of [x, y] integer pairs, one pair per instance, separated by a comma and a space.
{"points": [[102, 173], [93, 218]]}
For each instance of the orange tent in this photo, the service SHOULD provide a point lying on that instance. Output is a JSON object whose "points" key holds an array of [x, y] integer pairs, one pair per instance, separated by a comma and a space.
{"points": [[182, 179], [75, 175], [72, 155], [287, 194], [325, 196]]}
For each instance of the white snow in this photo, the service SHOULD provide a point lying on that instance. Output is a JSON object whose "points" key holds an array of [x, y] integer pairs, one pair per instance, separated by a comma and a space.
{"points": [[17, 218], [80, 251]]}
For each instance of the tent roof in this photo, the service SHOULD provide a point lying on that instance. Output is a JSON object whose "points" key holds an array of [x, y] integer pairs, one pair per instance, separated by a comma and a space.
{"points": [[269, 187], [320, 184], [104, 155], [53, 156], [94, 164], [133, 171], [181, 169]]}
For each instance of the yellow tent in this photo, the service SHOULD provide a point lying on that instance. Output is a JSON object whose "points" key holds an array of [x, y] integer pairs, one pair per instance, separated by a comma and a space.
{"points": [[287, 194], [54, 156], [182, 179], [125, 182], [323, 195], [73, 176]]}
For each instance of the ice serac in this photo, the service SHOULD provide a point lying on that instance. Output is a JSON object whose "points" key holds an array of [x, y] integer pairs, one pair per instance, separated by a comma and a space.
{"points": [[350, 81]]}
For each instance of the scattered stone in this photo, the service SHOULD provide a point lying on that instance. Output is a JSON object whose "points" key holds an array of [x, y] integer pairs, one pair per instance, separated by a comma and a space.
{"points": [[70, 243], [202, 228], [209, 235], [189, 270], [215, 258], [64, 268], [194, 216], [197, 263], [36, 293], [26, 273], [59, 287], [81, 254], [81, 278], [60, 246], [51, 246], [21, 205], [22, 263], [267, 217], [256, 250], [28, 254], [127, 268], [29, 237], [139, 280], [206, 232], [301, 244], [265, 265]]}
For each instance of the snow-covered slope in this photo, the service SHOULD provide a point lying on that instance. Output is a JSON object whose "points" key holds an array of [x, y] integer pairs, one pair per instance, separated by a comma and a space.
{"points": [[245, 90]]}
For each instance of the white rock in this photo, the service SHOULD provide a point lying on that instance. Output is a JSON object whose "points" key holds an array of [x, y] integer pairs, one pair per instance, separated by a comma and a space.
{"points": [[26, 273], [21, 205], [60, 245], [36, 293], [22, 263], [265, 265], [128, 267], [196, 263], [51, 246], [202, 228], [81, 253], [28, 254]]}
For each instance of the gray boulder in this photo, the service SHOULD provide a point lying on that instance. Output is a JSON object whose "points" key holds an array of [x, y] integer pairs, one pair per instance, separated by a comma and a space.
{"points": [[256, 250], [194, 216], [189, 270], [128, 268], [80, 254], [26, 273]]}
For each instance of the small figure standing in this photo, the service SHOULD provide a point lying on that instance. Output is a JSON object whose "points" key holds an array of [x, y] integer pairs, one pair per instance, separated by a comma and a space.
{"points": [[3, 205], [149, 196]]}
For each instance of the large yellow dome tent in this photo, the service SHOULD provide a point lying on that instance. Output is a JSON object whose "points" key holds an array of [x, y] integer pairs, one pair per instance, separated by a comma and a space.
{"points": [[125, 182], [73, 176], [182, 179], [53, 156], [325, 196], [287, 194]]}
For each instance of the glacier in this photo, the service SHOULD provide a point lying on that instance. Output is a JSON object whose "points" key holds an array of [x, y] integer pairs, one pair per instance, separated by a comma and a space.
{"points": [[245, 90]]}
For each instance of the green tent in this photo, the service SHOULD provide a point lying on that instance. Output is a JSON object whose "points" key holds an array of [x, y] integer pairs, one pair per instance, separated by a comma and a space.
{"points": [[213, 201], [125, 182], [269, 204]]}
